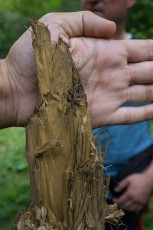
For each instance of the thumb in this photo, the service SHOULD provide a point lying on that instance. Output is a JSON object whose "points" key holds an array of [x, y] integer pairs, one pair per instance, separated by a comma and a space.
{"points": [[95, 26], [83, 23]]}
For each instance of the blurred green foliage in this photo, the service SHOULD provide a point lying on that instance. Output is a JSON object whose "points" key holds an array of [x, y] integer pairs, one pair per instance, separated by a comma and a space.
{"points": [[140, 20], [14, 15], [14, 178]]}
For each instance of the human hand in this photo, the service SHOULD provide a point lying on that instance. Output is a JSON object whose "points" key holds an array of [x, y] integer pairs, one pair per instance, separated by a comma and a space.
{"points": [[114, 73], [108, 79], [138, 189], [20, 89]]}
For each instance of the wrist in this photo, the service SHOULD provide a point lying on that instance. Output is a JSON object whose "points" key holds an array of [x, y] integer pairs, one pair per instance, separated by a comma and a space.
{"points": [[7, 106]]}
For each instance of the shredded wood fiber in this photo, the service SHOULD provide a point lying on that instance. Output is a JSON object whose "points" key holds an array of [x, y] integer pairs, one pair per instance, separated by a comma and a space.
{"points": [[68, 186]]}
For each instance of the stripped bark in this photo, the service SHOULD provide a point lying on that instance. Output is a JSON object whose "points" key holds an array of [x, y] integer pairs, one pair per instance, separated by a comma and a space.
{"points": [[66, 172]]}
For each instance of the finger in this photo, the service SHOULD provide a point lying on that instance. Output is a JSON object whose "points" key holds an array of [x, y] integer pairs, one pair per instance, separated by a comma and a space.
{"points": [[129, 115], [124, 198], [78, 24], [141, 72], [139, 50], [122, 185], [140, 93]]}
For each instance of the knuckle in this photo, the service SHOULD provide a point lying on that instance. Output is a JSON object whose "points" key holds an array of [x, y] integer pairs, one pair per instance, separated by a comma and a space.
{"points": [[148, 93]]}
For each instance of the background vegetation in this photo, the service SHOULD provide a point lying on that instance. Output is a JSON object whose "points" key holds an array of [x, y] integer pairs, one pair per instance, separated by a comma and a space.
{"points": [[14, 179]]}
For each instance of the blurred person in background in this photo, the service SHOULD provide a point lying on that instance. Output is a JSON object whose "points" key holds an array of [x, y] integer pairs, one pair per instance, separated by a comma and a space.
{"points": [[128, 158]]}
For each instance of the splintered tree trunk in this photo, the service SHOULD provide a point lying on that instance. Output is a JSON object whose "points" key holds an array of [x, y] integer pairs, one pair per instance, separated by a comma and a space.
{"points": [[66, 172]]}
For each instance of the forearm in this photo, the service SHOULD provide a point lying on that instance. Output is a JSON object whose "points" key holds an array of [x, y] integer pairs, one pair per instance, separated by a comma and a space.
{"points": [[6, 97]]}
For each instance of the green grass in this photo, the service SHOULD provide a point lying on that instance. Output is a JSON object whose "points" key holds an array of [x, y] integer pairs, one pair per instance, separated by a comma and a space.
{"points": [[14, 179]]}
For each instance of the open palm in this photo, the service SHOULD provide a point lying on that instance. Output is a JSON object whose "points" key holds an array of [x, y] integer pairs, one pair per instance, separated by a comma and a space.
{"points": [[114, 73]]}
